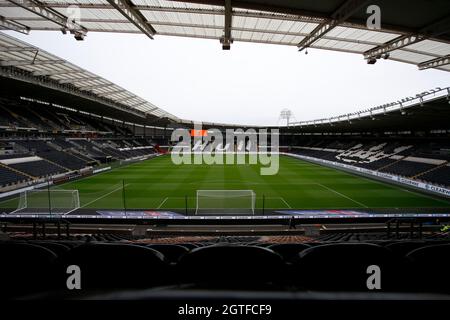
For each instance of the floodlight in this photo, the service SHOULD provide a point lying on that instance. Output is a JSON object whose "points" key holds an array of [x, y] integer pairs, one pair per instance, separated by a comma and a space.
{"points": [[79, 36]]}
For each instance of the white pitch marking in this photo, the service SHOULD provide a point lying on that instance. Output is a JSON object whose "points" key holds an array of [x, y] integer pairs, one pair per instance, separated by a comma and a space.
{"points": [[103, 196], [161, 204], [342, 195], [282, 199]]}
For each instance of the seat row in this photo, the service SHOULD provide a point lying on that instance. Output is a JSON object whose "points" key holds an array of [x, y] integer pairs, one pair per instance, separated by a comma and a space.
{"points": [[43, 266]]}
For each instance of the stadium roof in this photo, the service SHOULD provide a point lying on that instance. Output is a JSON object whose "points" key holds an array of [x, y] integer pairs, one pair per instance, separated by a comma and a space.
{"points": [[428, 110], [19, 54], [416, 32]]}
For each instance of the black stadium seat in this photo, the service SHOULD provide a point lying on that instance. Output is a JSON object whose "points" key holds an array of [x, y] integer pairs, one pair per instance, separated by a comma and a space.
{"points": [[172, 252], [190, 246], [430, 270], [57, 248], [289, 251], [404, 247], [108, 265], [343, 267], [230, 266], [25, 268]]}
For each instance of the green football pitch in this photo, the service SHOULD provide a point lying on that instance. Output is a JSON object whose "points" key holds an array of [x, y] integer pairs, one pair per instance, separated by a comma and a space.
{"points": [[159, 184]]}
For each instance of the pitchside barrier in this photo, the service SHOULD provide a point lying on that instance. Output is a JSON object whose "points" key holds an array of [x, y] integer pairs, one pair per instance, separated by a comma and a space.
{"points": [[430, 188]]}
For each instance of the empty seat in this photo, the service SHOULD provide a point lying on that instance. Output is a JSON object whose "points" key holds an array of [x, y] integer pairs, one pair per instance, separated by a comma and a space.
{"points": [[57, 248], [430, 270], [230, 266], [289, 251], [344, 266], [404, 247], [25, 268], [189, 245], [171, 252], [111, 265]]}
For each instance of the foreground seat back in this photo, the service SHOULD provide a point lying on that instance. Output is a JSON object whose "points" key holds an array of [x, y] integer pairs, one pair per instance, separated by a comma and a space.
{"points": [[172, 252], [430, 268], [230, 265], [25, 268], [57, 248], [404, 247], [289, 251], [344, 266], [107, 265]]}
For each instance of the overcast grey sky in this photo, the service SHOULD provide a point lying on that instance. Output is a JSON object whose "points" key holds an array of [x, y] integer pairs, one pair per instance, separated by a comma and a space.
{"points": [[250, 84]]}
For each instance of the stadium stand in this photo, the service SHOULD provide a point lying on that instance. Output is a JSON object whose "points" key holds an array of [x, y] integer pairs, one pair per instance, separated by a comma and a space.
{"points": [[411, 159], [40, 168], [7, 176]]}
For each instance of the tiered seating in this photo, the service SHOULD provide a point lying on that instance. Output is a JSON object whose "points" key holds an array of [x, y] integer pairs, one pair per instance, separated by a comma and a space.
{"points": [[394, 157], [6, 119], [8, 177], [441, 176], [89, 148], [63, 159], [34, 145], [408, 168], [45, 151], [63, 143], [39, 168], [13, 156]]}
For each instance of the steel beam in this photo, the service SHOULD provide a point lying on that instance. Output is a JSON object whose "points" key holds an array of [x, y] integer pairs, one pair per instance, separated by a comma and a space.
{"points": [[139, 104], [52, 15], [54, 73], [78, 80], [433, 30], [226, 39], [17, 49], [12, 25], [87, 87], [435, 63], [16, 63], [340, 15], [107, 94], [134, 16]]}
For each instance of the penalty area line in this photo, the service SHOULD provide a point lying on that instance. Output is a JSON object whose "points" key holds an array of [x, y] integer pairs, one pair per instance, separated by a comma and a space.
{"points": [[103, 196], [162, 202], [342, 195], [285, 202]]}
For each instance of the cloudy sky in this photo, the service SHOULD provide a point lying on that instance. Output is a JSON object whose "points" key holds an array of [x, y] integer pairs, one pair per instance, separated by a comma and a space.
{"points": [[250, 84]]}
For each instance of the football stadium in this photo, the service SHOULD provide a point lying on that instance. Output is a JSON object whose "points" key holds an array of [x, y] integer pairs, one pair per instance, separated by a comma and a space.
{"points": [[99, 183]]}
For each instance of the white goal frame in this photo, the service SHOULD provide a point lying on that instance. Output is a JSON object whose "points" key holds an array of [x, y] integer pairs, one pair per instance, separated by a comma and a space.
{"points": [[226, 193], [24, 202]]}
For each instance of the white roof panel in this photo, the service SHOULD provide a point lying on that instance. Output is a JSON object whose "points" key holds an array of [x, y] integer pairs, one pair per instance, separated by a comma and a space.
{"points": [[70, 73], [186, 19]]}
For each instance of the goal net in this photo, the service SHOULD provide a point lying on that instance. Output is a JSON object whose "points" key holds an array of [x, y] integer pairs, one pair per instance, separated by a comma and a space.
{"points": [[214, 202], [48, 202]]}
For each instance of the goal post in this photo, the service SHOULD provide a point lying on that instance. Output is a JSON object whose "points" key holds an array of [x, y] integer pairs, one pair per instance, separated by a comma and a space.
{"points": [[48, 202], [214, 202]]}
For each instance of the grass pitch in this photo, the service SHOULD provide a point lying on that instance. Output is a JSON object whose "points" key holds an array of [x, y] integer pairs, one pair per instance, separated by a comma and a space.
{"points": [[159, 184]]}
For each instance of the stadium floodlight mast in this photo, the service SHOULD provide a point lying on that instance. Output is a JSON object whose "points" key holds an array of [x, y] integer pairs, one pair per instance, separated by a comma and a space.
{"points": [[287, 115]]}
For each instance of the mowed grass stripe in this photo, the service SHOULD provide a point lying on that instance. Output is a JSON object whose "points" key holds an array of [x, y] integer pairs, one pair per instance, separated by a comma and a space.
{"points": [[159, 183]]}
